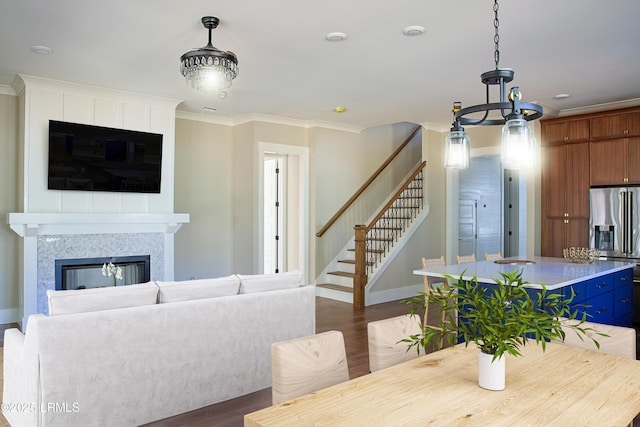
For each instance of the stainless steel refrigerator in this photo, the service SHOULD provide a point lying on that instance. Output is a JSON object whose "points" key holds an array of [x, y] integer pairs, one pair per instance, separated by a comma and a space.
{"points": [[614, 229], [615, 217]]}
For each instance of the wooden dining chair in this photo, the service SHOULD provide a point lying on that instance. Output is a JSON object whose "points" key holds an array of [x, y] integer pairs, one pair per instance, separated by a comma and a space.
{"points": [[621, 341], [492, 257], [384, 336], [465, 258], [303, 365], [432, 314]]}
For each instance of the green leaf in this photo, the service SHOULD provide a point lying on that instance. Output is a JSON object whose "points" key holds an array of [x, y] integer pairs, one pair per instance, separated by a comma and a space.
{"points": [[498, 318]]}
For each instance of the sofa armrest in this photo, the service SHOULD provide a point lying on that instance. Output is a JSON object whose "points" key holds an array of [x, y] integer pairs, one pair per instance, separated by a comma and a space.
{"points": [[21, 405]]}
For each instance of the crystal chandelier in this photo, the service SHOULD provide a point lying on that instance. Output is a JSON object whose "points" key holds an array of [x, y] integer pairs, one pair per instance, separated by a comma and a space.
{"points": [[519, 146], [209, 69]]}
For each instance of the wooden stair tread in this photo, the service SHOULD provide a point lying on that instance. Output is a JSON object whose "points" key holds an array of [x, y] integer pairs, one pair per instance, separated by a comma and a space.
{"points": [[335, 287], [377, 251], [342, 273], [352, 261]]}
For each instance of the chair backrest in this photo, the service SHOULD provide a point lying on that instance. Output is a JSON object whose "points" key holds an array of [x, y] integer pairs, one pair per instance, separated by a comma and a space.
{"points": [[491, 257], [433, 262], [433, 316], [620, 342], [307, 364], [384, 335], [465, 258], [431, 283]]}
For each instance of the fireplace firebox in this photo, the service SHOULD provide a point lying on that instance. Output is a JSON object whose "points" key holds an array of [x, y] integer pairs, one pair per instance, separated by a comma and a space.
{"points": [[85, 273]]}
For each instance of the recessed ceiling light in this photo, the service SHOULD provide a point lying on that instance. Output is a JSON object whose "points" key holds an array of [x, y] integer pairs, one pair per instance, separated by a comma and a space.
{"points": [[562, 96], [44, 50], [339, 109], [336, 37], [413, 30]]}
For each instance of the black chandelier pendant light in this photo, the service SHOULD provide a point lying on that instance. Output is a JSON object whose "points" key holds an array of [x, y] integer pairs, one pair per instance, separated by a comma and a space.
{"points": [[519, 146], [209, 69]]}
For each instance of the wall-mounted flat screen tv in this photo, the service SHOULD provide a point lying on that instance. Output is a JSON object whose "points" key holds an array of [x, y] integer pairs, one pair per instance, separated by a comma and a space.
{"points": [[95, 158]]}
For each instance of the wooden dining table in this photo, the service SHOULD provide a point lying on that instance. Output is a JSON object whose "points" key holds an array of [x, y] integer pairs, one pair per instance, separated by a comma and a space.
{"points": [[562, 386]]}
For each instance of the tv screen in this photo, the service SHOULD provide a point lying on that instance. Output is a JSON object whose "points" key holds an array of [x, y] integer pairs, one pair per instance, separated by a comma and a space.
{"points": [[95, 158]]}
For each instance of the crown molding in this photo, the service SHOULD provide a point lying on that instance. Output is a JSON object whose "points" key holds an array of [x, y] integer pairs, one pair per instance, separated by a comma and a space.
{"points": [[436, 127], [7, 90], [634, 102], [278, 120]]}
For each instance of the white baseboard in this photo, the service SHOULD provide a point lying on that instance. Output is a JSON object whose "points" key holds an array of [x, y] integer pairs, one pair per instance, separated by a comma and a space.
{"points": [[8, 315], [393, 294]]}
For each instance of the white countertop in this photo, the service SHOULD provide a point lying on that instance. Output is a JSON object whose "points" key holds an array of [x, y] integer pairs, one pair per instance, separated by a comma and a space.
{"points": [[554, 273]]}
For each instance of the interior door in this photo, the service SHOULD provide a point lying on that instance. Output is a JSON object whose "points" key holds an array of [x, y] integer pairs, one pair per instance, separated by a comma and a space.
{"points": [[273, 215], [467, 227]]}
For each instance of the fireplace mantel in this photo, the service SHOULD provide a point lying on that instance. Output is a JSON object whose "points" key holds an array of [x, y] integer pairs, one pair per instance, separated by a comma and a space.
{"points": [[41, 224], [78, 235]]}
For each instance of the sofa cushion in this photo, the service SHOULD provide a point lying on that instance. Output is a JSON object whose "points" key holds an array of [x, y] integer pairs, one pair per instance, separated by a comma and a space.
{"points": [[198, 289], [269, 282], [96, 299]]}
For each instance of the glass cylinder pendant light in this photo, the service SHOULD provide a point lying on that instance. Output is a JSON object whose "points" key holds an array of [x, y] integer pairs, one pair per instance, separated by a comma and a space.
{"points": [[518, 142], [518, 145], [456, 149]]}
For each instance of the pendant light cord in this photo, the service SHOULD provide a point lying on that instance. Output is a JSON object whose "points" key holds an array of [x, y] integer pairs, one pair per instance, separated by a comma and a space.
{"points": [[496, 37]]}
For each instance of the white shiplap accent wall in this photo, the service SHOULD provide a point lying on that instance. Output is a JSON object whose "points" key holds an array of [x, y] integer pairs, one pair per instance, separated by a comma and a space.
{"points": [[46, 100], [82, 218]]}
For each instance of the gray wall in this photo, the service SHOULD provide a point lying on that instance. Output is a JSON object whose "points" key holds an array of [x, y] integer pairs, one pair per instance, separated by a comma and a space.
{"points": [[9, 241]]}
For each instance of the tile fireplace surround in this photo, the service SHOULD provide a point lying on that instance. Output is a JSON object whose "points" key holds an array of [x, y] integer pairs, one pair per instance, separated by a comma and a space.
{"points": [[51, 236]]}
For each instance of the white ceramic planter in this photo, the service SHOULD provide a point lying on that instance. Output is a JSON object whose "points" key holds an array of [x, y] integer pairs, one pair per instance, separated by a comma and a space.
{"points": [[491, 373]]}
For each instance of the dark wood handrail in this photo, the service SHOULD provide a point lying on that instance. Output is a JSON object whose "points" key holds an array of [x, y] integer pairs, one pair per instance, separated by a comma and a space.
{"points": [[396, 195], [364, 186]]}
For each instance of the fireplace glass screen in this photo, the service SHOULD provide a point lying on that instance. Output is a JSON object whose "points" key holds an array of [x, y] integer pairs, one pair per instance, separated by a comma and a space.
{"points": [[88, 273]]}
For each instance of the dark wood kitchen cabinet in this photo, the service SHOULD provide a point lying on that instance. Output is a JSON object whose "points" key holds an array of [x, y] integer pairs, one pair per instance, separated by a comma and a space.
{"points": [[615, 125], [566, 130], [615, 147], [615, 161], [565, 197], [598, 149]]}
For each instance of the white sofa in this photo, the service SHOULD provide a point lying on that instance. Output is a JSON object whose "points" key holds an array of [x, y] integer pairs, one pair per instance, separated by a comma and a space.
{"points": [[90, 363]]}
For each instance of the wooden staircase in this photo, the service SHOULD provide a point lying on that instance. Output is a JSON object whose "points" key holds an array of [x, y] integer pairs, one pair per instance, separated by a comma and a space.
{"points": [[382, 234]]}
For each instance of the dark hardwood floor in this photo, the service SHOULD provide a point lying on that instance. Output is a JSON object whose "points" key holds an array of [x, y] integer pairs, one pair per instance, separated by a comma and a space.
{"points": [[330, 315]]}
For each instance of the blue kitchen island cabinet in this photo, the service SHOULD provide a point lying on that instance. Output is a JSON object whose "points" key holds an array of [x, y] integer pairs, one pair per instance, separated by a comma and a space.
{"points": [[604, 289], [606, 299]]}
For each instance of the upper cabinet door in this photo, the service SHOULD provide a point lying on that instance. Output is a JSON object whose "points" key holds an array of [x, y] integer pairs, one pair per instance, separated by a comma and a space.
{"points": [[633, 160], [565, 131], [615, 126], [633, 124], [608, 162]]}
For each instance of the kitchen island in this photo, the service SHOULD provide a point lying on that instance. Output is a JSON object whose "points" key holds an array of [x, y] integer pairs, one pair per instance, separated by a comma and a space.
{"points": [[604, 289]]}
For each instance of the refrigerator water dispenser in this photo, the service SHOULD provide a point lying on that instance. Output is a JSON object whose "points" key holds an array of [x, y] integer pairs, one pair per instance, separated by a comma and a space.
{"points": [[604, 237]]}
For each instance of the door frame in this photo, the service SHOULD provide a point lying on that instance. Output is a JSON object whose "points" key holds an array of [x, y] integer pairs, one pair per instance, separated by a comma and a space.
{"points": [[302, 153], [528, 178]]}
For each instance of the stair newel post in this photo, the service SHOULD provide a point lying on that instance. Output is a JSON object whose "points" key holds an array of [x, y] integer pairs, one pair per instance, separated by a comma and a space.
{"points": [[360, 279]]}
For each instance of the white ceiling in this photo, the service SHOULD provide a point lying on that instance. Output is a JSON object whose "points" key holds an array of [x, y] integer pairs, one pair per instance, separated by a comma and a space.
{"points": [[587, 48]]}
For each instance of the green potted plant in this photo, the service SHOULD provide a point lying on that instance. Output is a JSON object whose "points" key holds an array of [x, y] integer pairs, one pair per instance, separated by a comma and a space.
{"points": [[500, 319]]}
